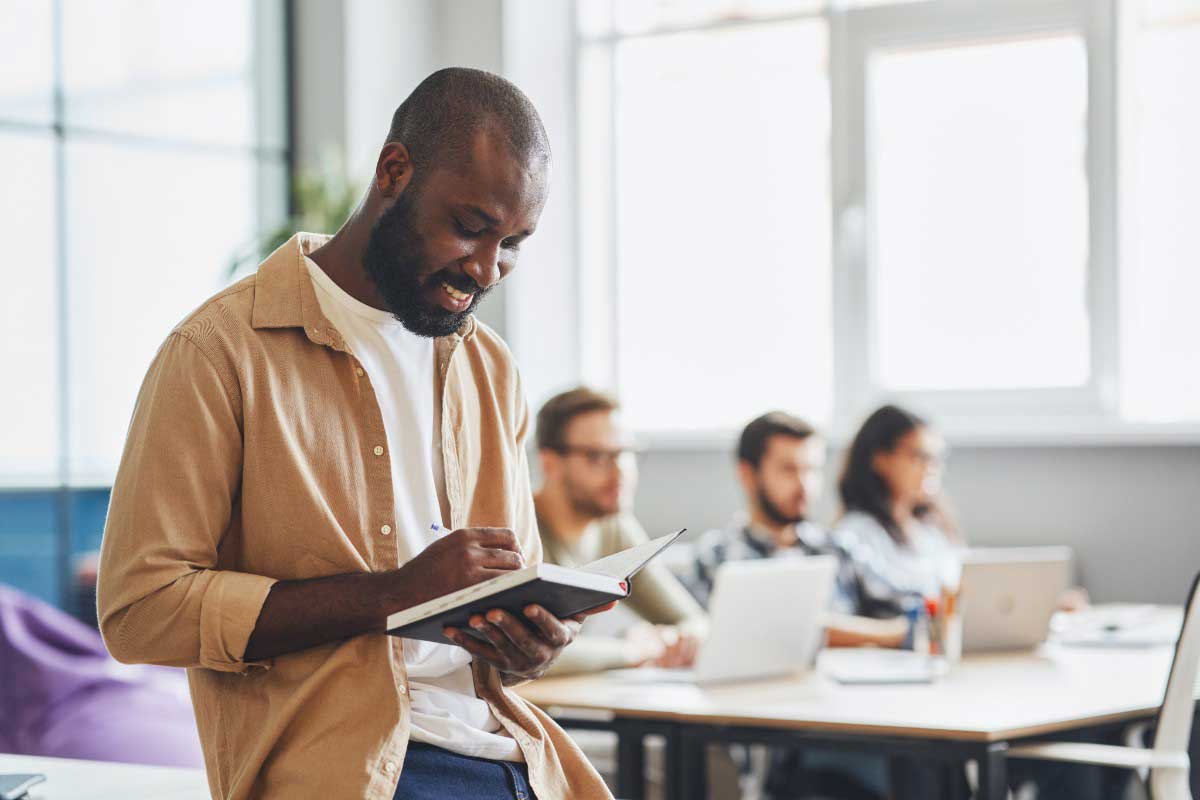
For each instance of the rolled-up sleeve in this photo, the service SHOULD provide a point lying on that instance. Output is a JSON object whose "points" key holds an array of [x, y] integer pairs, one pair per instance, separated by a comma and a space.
{"points": [[161, 597]]}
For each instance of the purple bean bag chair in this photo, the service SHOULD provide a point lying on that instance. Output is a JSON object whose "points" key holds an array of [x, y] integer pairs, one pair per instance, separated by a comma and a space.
{"points": [[63, 695]]}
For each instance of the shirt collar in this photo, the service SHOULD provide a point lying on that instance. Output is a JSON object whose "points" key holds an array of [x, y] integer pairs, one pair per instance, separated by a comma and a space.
{"points": [[809, 537]]}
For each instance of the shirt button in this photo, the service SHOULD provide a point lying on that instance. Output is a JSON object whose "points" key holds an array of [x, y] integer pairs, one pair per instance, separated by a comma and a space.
{"points": [[378, 450], [358, 371], [389, 767], [385, 530], [403, 689]]}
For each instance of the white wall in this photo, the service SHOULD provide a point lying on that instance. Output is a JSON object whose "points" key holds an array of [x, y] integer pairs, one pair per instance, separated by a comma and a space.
{"points": [[1128, 511], [318, 40], [543, 297]]}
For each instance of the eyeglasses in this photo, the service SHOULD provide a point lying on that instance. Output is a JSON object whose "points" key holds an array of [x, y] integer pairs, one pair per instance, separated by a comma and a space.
{"points": [[598, 457]]}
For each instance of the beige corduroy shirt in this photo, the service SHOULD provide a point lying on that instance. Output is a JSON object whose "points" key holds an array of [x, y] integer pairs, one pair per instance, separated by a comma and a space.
{"points": [[250, 459]]}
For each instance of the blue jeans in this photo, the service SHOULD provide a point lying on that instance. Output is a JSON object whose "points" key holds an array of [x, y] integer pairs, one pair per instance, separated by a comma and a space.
{"points": [[431, 773]]}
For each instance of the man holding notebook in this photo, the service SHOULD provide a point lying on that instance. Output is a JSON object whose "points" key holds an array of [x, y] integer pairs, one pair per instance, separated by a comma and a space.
{"points": [[298, 446]]}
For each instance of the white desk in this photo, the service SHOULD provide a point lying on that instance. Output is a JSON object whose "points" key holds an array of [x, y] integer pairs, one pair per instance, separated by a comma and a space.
{"points": [[69, 779], [984, 704]]}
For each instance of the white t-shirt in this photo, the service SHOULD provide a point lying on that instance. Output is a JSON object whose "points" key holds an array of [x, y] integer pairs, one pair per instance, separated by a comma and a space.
{"points": [[445, 709]]}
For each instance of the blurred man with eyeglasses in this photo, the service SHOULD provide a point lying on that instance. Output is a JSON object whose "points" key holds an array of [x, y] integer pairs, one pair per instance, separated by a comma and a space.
{"points": [[589, 470]]}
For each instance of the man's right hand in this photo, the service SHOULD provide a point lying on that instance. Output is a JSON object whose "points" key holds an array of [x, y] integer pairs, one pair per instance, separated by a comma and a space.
{"points": [[460, 559], [299, 614]]}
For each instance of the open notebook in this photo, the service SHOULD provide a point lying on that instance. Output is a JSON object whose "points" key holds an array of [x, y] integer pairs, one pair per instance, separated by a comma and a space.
{"points": [[562, 591]]}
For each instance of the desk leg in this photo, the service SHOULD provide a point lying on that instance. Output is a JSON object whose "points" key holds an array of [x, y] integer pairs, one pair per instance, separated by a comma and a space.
{"points": [[631, 763], [900, 777], [1195, 752], [691, 762], [993, 772], [952, 783], [912, 779]]}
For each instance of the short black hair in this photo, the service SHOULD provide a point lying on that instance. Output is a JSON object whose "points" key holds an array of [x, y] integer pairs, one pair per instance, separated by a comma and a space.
{"points": [[439, 121], [752, 444], [556, 415]]}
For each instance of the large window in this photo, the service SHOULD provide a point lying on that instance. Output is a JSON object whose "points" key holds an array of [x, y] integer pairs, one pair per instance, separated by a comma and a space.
{"points": [[143, 143], [981, 209], [979, 214], [1160, 276], [136, 161], [719, 202]]}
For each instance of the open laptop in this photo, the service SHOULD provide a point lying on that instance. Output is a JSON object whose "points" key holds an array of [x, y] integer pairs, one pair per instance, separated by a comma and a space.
{"points": [[766, 618], [1009, 595]]}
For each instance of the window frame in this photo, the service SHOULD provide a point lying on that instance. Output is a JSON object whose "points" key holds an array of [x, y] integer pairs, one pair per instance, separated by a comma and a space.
{"points": [[864, 31], [273, 79], [1086, 416]]}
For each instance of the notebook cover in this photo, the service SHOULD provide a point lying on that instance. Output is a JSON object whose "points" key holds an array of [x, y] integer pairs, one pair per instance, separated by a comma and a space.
{"points": [[559, 599]]}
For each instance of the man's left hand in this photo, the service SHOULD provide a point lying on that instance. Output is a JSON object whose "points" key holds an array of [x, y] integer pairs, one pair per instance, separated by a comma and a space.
{"points": [[520, 650]]}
